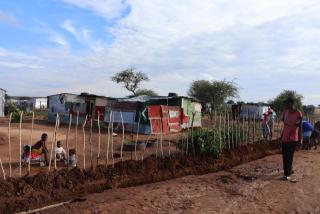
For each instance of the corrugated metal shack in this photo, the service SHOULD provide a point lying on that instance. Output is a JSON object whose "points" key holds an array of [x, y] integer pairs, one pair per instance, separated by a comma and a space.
{"points": [[243, 111], [86, 104], [169, 113]]}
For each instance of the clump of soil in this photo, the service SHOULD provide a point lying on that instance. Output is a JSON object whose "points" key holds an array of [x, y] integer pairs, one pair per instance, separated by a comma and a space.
{"points": [[63, 185]]}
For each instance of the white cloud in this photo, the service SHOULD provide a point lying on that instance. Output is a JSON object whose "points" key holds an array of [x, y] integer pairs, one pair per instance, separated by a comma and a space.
{"points": [[60, 40], [18, 65], [109, 9], [68, 26], [266, 46], [9, 19]]}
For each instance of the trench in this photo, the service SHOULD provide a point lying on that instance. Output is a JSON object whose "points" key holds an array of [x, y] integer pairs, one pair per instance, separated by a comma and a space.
{"points": [[43, 189]]}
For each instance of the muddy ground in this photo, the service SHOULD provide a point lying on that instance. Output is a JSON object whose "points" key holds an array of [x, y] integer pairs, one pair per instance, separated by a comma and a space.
{"points": [[45, 188], [254, 187]]}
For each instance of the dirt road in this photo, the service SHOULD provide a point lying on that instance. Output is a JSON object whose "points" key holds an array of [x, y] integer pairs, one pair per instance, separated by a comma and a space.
{"points": [[250, 188]]}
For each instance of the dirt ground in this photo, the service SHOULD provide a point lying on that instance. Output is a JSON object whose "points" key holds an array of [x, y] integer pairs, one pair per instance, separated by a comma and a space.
{"points": [[42, 127], [254, 187]]}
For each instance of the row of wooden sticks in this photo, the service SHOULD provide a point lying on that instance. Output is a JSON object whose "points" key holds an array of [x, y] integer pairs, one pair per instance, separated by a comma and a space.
{"points": [[110, 141]]}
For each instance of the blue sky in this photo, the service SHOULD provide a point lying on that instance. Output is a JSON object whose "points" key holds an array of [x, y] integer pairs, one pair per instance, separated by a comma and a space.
{"points": [[53, 46]]}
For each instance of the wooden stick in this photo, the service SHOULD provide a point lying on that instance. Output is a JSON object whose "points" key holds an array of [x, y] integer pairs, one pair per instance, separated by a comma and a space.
{"points": [[84, 141], [161, 137], [31, 139], [215, 119], [243, 130], [52, 145], [108, 141], [55, 143], [228, 119], [9, 141], [248, 130], [20, 143], [224, 129], [76, 133], [99, 139], [137, 137], [122, 142], [192, 141], [90, 143], [187, 138], [169, 138], [148, 139], [254, 127], [112, 156], [232, 130], [3, 172], [67, 138], [220, 137]]}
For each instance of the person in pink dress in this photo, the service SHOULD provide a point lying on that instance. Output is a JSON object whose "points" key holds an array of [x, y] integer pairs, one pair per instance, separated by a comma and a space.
{"points": [[291, 137]]}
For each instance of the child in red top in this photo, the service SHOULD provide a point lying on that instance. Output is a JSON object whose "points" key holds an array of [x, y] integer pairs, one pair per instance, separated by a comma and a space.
{"points": [[291, 136]]}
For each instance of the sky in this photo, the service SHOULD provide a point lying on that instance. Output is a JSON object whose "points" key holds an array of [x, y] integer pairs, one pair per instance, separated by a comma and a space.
{"points": [[265, 46]]}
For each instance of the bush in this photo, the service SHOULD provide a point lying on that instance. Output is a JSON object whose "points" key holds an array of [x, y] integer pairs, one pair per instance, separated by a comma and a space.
{"points": [[212, 141]]}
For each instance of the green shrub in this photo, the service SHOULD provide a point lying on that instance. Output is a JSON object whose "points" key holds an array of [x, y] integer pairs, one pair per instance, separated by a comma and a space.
{"points": [[212, 141]]}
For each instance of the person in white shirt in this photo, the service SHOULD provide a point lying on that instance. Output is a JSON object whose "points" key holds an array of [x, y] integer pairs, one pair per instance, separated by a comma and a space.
{"points": [[72, 158], [60, 152]]}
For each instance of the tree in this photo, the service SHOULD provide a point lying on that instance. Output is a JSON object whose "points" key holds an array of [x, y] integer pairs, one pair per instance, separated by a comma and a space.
{"points": [[200, 90], [231, 102], [130, 79], [213, 95], [278, 103], [147, 92]]}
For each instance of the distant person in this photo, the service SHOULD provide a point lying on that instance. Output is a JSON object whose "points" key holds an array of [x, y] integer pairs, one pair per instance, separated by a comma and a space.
{"points": [[41, 148], [72, 158], [272, 118], [265, 125], [307, 130], [315, 136], [60, 152], [291, 136]]}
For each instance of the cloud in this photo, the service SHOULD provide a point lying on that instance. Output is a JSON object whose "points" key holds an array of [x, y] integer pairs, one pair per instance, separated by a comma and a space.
{"points": [[18, 65], [109, 9], [265, 46], [58, 39], [68, 26], [9, 19]]}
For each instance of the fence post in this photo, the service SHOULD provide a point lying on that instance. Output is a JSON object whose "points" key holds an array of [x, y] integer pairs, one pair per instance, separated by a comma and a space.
{"points": [[76, 133], [99, 139], [20, 143], [84, 141], [67, 138], [9, 141]]}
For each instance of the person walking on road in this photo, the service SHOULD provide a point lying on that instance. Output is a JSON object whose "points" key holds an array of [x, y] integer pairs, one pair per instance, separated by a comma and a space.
{"points": [[291, 137]]}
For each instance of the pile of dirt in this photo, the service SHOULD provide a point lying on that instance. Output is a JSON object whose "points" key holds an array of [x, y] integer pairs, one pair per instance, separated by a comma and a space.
{"points": [[63, 185]]}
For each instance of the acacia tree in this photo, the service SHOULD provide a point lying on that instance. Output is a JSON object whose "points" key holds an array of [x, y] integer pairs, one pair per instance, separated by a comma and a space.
{"points": [[213, 95], [278, 103], [131, 79], [147, 92]]}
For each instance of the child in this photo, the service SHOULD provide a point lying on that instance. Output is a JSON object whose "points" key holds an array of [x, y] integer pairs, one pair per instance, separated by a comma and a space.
{"points": [[60, 152], [41, 148], [72, 158], [265, 125]]}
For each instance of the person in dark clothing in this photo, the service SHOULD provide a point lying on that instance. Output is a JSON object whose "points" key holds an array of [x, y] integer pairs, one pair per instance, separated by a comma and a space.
{"points": [[291, 136], [41, 147], [307, 130]]}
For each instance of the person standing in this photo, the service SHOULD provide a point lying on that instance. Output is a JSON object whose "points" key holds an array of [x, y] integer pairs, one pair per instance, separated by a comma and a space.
{"points": [[272, 118], [265, 125], [307, 130], [291, 137]]}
